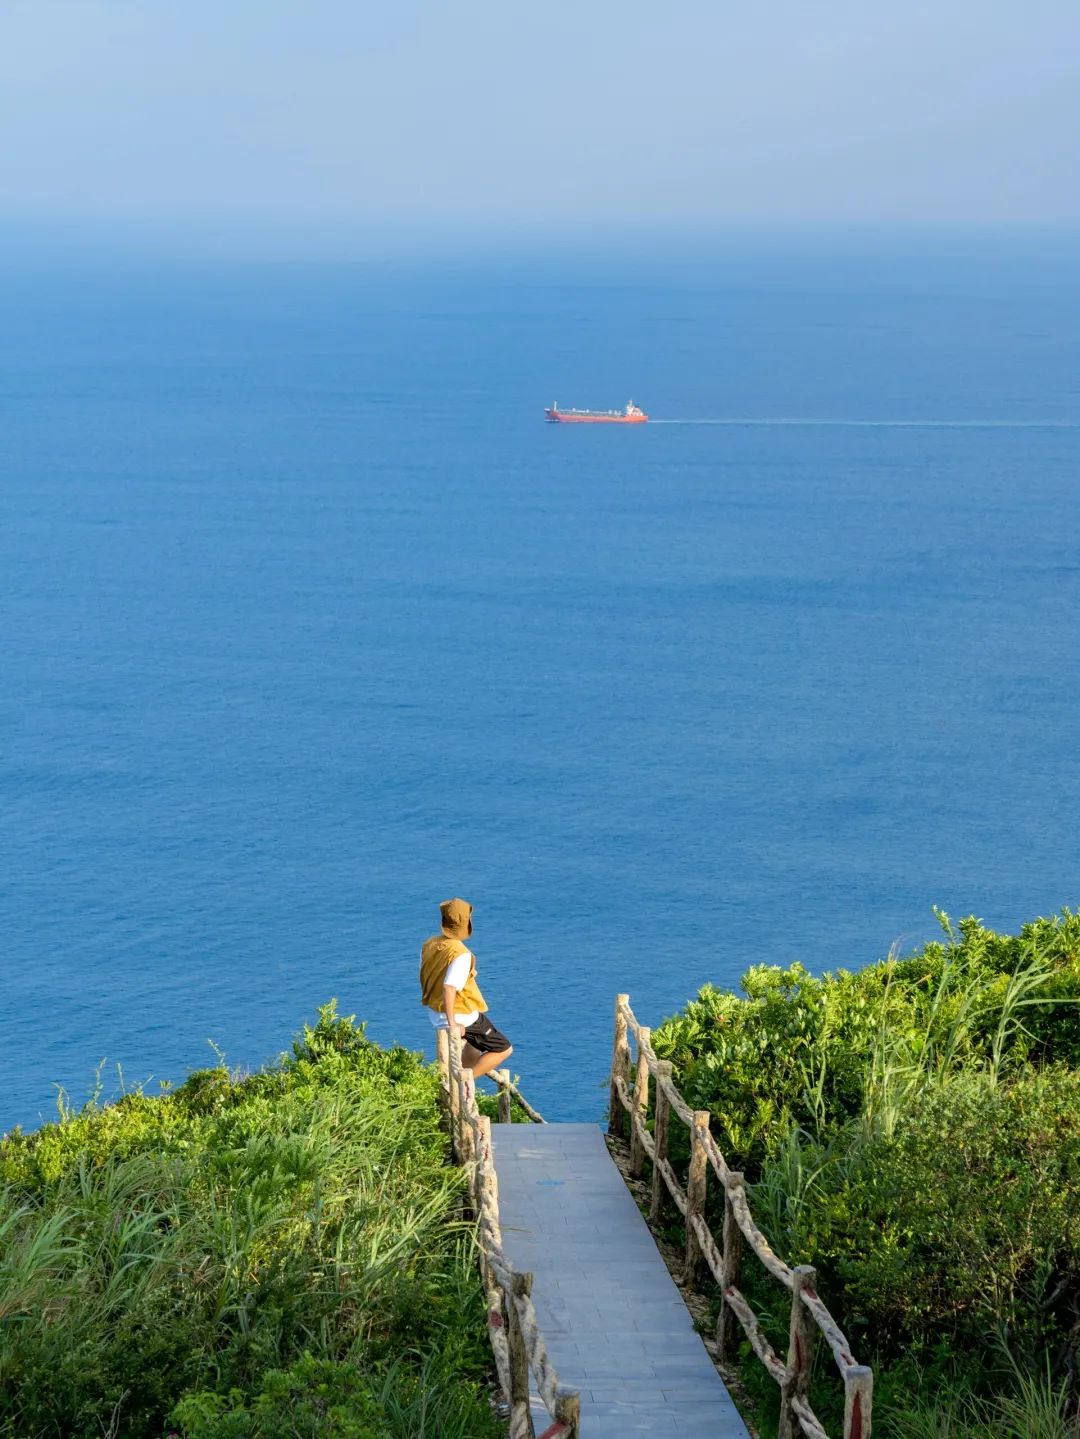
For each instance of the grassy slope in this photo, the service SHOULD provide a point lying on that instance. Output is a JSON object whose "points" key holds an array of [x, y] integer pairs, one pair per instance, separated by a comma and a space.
{"points": [[273, 1256], [914, 1132]]}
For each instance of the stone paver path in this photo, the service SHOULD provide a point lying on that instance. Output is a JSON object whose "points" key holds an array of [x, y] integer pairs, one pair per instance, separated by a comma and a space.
{"points": [[615, 1324]]}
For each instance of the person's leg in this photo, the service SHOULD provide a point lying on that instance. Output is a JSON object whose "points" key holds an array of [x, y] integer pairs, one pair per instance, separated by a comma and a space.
{"points": [[485, 1063], [489, 1045], [470, 1057]]}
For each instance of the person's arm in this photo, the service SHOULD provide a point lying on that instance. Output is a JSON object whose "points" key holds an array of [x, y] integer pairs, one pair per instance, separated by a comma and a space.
{"points": [[449, 999]]}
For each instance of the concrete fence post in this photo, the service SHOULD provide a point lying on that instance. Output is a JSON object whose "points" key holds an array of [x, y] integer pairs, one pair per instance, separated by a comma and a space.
{"points": [[453, 1066], [727, 1324], [660, 1133], [800, 1358], [442, 1061], [620, 1066], [487, 1184], [520, 1410], [639, 1111], [459, 1102], [696, 1181], [568, 1412], [858, 1400]]}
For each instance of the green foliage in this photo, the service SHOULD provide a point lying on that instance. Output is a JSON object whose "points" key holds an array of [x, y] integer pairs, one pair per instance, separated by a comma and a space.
{"points": [[1036, 1408], [327, 1399], [488, 1104], [815, 1052], [313, 1398], [960, 1221], [914, 1132], [262, 1256]]}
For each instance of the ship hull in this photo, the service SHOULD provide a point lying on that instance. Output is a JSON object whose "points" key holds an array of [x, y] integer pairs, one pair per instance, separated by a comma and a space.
{"points": [[561, 417]]}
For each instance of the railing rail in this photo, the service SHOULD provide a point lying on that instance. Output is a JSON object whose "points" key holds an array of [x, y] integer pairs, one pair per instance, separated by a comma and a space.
{"points": [[516, 1340], [809, 1314]]}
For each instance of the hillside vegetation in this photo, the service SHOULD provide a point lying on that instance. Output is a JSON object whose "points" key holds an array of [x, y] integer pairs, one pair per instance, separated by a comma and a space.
{"points": [[913, 1131], [273, 1257]]}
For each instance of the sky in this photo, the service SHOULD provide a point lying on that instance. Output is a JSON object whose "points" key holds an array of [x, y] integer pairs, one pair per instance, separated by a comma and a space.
{"points": [[307, 118]]}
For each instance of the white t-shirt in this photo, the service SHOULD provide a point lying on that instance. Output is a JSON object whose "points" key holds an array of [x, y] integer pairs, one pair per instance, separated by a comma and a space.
{"points": [[457, 972]]}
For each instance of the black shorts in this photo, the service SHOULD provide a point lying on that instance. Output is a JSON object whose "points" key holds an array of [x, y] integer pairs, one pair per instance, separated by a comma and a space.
{"points": [[483, 1035]]}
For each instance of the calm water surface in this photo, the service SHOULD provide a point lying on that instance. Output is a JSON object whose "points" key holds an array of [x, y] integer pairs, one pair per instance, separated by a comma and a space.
{"points": [[309, 622]]}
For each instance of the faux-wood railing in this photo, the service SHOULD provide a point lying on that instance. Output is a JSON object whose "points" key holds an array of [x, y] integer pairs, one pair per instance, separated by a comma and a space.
{"points": [[516, 1340], [808, 1311]]}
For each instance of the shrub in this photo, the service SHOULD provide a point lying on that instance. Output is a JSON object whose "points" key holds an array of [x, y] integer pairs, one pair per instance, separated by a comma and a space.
{"points": [[913, 1131], [813, 1053], [238, 1251], [962, 1221]]}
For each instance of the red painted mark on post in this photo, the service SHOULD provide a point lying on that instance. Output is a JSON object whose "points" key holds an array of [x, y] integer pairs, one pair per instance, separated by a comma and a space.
{"points": [[557, 1428], [856, 1418], [495, 1319]]}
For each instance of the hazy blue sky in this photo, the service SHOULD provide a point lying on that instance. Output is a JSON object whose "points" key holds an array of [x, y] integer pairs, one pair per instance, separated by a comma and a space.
{"points": [[323, 114]]}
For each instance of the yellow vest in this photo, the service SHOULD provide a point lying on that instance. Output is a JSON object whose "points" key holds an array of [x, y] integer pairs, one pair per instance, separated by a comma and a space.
{"points": [[435, 959]]}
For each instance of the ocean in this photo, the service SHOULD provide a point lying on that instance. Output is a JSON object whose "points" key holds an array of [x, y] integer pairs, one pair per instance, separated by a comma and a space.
{"points": [[311, 622]]}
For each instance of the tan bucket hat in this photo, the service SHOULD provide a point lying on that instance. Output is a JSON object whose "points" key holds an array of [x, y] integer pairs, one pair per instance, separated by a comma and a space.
{"points": [[456, 918]]}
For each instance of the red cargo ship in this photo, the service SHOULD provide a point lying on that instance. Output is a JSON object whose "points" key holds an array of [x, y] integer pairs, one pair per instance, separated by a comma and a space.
{"points": [[630, 416]]}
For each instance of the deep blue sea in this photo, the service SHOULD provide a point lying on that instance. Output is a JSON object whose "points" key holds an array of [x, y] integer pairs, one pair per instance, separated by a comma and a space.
{"points": [[309, 622]]}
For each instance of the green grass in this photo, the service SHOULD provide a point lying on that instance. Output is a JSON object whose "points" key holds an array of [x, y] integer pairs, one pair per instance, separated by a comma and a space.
{"points": [[1035, 1407], [913, 1131], [279, 1255]]}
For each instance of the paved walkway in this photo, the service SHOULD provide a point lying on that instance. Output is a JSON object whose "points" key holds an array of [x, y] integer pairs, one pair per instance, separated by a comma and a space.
{"points": [[615, 1324]]}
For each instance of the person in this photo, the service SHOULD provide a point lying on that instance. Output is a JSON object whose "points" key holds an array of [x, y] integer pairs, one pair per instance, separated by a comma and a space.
{"points": [[449, 989]]}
